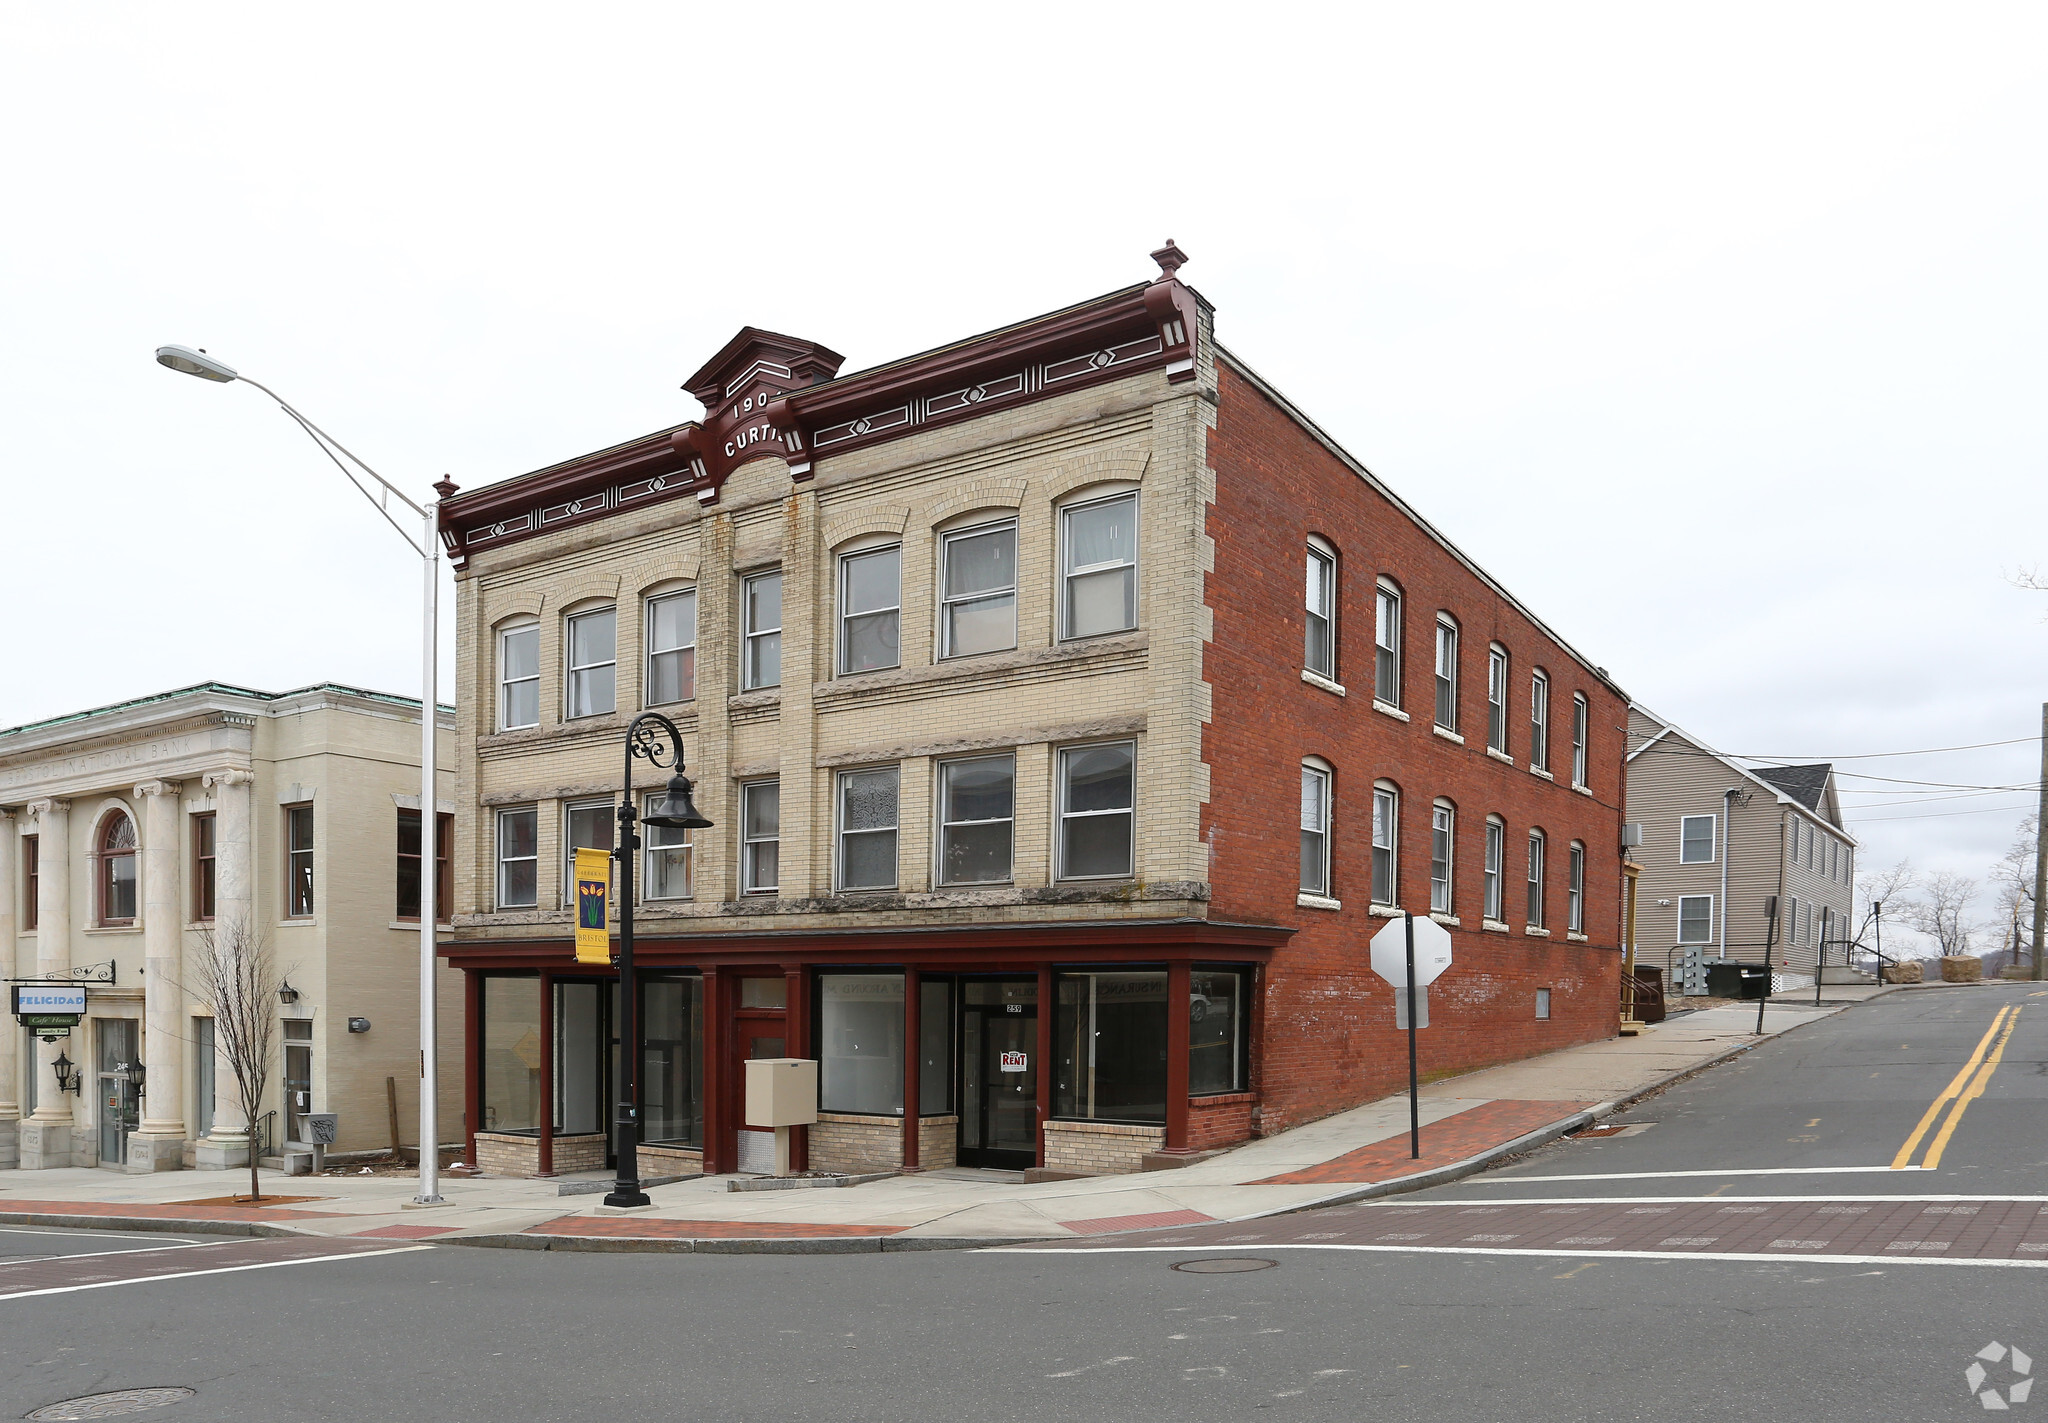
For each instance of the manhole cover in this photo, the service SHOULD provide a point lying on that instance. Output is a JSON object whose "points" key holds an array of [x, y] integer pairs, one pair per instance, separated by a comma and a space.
{"points": [[111, 1405], [1188, 1267]]}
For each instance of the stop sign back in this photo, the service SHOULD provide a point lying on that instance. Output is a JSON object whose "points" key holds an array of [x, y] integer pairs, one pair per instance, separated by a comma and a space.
{"points": [[1390, 952]]}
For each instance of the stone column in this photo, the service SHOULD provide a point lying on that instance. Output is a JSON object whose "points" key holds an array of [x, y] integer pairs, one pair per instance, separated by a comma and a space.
{"points": [[159, 1143], [10, 1045], [46, 1135], [234, 912]]}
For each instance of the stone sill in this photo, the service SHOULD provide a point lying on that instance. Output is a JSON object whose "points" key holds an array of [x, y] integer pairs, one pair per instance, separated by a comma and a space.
{"points": [[1539, 771], [1449, 919], [1384, 911], [410, 926], [1317, 901], [1389, 709], [1575, 938], [979, 665], [1448, 735], [755, 699], [1317, 679], [1535, 933], [1582, 790], [99, 929], [1500, 756], [1493, 926], [308, 921], [1222, 1099]]}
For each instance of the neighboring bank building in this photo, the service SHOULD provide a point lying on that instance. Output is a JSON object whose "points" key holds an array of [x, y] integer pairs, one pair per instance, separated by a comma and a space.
{"points": [[1723, 841], [1071, 711], [131, 834]]}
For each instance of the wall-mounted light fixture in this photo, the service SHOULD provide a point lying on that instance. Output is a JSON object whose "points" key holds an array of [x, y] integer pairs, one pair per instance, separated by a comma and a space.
{"points": [[134, 1071], [359, 1025], [69, 1078], [287, 993]]}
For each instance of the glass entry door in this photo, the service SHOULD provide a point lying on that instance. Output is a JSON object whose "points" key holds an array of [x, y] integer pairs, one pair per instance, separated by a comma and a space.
{"points": [[120, 1103], [999, 1073]]}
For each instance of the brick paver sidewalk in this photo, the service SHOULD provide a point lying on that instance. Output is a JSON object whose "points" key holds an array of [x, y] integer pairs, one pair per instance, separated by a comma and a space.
{"points": [[1444, 1142]]}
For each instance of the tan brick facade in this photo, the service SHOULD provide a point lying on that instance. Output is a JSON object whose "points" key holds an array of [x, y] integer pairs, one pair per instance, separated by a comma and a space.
{"points": [[1099, 1148]]}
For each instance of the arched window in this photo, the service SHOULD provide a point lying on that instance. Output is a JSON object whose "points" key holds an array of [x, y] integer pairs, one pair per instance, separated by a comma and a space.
{"points": [[1496, 852], [1575, 889], [1315, 826], [1386, 827], [1536, 847], [1443, 827], [1319, 652], [117, 869]]}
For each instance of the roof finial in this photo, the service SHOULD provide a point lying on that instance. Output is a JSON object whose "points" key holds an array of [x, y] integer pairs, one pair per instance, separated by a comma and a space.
{"points": [[445, 487], [1169, 259]]}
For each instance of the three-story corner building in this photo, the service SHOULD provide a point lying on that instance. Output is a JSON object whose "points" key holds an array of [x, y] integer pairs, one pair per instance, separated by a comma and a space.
{"points": [[134, 838], [1053, 806]]}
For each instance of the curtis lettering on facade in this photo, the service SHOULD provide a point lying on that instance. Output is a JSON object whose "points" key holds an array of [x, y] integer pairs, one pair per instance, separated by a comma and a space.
{"points": [[1053, 804]]}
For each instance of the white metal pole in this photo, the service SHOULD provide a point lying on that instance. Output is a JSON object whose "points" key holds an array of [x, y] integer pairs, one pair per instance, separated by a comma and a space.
{"points": [[430, 867]]}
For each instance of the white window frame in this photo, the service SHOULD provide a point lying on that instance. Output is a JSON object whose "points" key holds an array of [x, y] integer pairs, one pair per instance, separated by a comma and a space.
{"points": [[1678, 934], [1061, 787], [1068, 575], [1386, 844], [1575, 888], [946, 825], [502, 859], [505, 684], [1788, 927], [841, 836], [652, 652], [1713, 839], [1443, 848], [947, 601], [1537, 903], [1492, 868], [1539, 720], [1582, 719], [573, 671], [748, 855], [569, 809], [1445, 682], [1386, 644], [846, 560], [1316, 774], [1497, 668], [1321, 588], [752, 635], [649, 849]]}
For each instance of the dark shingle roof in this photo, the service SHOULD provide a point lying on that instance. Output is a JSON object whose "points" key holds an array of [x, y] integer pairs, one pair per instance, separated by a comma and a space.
{"points": [[1804, 784]]}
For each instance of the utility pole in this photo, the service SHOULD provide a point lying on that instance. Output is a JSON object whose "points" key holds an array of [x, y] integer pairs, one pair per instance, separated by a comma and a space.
{"points": [[2041, 846]]}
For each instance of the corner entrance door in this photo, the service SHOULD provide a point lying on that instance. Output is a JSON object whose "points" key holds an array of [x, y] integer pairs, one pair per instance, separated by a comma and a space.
{"points": [[999, 1072], [760, 1028], [119, 1103], [298, 1077]]}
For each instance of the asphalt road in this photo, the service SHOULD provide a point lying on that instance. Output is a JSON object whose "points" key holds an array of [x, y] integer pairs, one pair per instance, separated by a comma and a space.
{"points": [[1330, 1330]]}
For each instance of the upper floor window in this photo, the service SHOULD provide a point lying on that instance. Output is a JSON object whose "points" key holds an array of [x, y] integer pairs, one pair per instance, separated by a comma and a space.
{"points": [[1097, 810], [1575, 889], [409, 882], [1580, 717], [672, 648], [977, 819], [586, 825], [760, 837], [870, 609], [593, 662], [1536, 848], [1099, 571], [1446, 675], [761, 610], [666, 854], [1696, 840], [867, 828], [1386, 815], [978, 590], [518, 858], [31, 880], [1319, 651], [205, 867], [117, 869], [1315, 829], [298, 843], [1386, 659], [1443, 822], [519, 677], [1539, 721], [1497, 698], [1490, 878]]}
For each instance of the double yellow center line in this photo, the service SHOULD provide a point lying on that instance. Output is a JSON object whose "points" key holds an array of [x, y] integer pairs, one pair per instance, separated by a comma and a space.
{"points": [[1966, 1088]]}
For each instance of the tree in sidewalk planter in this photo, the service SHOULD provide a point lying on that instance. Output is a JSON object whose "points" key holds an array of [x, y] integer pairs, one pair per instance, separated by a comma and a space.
{"points": [[238, 983]]}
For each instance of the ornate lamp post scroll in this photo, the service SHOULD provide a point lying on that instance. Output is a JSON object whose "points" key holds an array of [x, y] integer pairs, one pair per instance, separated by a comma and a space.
{"points": [[672, 810]]}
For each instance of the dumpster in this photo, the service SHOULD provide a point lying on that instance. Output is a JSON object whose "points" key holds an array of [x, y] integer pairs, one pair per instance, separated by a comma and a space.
{"points": [[1738, 980]]}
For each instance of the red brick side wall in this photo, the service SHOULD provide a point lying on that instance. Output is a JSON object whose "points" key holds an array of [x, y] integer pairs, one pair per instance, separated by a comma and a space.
{"points": [[1328, 1032], [1219, 1121]]}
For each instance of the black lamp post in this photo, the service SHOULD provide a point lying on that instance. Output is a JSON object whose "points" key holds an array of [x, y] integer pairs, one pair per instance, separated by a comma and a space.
{"points": [[672, 810]]}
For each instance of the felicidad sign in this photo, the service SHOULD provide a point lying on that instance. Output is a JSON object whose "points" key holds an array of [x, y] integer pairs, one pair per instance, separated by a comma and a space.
{"points": [[593, 906]]}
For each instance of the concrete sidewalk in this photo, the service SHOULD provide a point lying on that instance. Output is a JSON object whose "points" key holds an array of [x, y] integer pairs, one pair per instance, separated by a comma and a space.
{"points": [[1466, 1122]]}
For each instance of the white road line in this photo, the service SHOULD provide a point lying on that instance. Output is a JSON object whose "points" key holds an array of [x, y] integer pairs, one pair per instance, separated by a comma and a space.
{"points": [[1409, 1203], [1495, 1250], [6, 1260], [98, 1234], [231, 1269], [1663, 1175]]}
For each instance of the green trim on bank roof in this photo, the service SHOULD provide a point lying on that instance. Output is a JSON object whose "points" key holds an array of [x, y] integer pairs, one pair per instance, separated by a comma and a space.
{"points": [[226, 689]]}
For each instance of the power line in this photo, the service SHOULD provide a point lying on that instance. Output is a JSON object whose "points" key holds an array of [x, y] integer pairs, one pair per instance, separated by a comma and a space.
{"points": [[1938, 814], [1866, 755]]}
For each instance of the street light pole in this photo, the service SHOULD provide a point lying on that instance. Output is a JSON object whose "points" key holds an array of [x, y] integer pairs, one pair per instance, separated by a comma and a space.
{"points": [[672, 810], [428, 546]]}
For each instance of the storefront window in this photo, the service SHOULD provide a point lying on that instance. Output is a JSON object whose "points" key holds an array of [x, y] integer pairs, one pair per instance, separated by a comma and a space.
{"points": [[1110, 1046], [672, 1085], [935, 1047], [511, 1053], [1218, 1031], [860, 1043], [585, 1055]]}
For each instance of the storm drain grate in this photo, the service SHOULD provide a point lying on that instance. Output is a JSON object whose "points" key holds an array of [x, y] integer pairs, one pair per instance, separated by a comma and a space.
{"points": [[110, 1405], [1216, 1267]]}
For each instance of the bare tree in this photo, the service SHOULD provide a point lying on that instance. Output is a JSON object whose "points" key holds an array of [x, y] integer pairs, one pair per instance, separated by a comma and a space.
{"points": [[1892, 888], [238, 983], [1941, 911], [2012, 881]]}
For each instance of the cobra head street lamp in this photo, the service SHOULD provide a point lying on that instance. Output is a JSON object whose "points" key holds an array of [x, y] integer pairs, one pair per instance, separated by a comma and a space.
{"points": [[195, 363]]}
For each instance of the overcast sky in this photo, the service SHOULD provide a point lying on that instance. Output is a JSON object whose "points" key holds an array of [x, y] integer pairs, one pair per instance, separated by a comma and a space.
{"points": [[1716, 334]]}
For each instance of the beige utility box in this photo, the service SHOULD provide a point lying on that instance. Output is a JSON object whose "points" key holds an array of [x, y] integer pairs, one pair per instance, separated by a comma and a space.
{"points": [[782, 1092]]}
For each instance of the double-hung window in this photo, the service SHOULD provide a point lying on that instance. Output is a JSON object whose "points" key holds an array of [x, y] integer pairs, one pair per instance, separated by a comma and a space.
{"points": [[298, 840], [31, 879], [1695, 918], [1539, 721], [870, 609], [117, 870], [586, 825], [1099, 570], [977, 819], [519, 677], [1386, 816], [593, 662], [761, 611], [1580, 718], [1442, 834], [410, 869], [1496, 852], [1536, 847], [518, 858], [1446, 675], [1097, 810], [978, 590], [1696, 840], [1497, 698], [1386, 656], [1788, 932], [1319, 651], [867, 828], [760, 837], [1575, 889], [1315, 830], [205, 867], [672, 648], [666, 855]]}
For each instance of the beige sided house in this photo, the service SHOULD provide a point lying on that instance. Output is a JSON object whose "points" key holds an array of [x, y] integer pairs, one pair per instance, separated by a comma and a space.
{"points": [[1722, 840], [130, 833]]}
